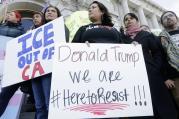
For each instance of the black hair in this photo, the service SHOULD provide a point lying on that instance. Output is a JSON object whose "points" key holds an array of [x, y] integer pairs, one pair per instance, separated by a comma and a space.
{"points": [[132, 15], [161, 18], [106, 19], [35, 12], [58, 12]]}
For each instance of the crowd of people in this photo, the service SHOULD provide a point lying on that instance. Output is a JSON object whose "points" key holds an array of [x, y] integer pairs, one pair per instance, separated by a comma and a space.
{"points": [[161, 55]]}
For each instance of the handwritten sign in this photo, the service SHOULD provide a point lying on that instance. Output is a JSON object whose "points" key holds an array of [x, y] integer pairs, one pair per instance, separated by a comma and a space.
{"points": [[30, 55], [100, 81], [4, 40]]}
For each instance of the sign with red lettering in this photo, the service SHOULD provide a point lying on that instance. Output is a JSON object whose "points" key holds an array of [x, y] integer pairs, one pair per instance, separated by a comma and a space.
{"points": [[99, 81], [30, 55]]}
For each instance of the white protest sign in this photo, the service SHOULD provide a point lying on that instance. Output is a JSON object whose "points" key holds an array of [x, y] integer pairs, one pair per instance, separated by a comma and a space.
{"points": [[100, 81], [4, 40], [30, 55]]}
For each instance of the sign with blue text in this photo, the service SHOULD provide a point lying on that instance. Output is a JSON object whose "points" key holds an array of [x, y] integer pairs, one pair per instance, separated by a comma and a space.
{"points": [[31, 54], [99, 81]]}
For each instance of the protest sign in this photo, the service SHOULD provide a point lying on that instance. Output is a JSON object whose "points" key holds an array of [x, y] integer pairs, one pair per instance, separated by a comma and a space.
{"points": [[4, 40], [100, 81], [30, 55]]}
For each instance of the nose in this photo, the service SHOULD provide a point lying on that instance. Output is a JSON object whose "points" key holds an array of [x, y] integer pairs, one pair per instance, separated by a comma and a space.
{"points": [[128, 20], [49, 12]]}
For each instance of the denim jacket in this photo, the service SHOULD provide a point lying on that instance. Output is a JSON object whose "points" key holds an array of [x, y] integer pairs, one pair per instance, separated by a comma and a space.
{"points": [[11, 29]]}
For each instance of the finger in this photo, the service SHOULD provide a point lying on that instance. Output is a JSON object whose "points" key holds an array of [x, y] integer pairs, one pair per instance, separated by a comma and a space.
{"points": [[87, 43], [167, 85]]}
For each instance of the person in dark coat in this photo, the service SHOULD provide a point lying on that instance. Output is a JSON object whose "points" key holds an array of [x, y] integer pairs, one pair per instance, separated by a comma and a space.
{"points": [[163, 105], [11, 28], [101, 29]]}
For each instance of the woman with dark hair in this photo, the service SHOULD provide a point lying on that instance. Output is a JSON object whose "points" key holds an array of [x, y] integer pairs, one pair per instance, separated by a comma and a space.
{"points": [[54, 11], [42, 85], [101, 29], [51, 13], [105, 17], [163, 106]]}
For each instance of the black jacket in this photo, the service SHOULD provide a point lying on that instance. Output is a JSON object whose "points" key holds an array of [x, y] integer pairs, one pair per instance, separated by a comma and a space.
{"points": [[96, 33]]}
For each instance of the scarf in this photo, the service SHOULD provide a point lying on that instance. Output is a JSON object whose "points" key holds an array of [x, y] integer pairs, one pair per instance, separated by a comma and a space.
{"points": [[171, 49], [132, 31]]}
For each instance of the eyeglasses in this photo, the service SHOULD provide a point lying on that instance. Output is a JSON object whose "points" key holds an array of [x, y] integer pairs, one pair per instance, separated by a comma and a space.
{"points": [[168, 16]]}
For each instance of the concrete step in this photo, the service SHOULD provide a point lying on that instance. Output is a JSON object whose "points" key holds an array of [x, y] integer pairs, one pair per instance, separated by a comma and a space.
{"points": [[28, 108], [27, 115]]}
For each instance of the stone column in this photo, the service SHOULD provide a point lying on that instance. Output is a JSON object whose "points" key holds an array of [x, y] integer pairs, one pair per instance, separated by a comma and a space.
{"points": [[154, 21], [125, 6], [142, 17], [53, 2]]}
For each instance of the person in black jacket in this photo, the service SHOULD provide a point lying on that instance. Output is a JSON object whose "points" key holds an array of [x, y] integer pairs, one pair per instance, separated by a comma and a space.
{"points": [[101, 29], [11, 28], [163, 105]]}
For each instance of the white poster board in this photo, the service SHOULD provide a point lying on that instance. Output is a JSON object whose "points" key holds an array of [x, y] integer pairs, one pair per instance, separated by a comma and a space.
{"points": [[100, 81], [30, 55], [3, 42]]}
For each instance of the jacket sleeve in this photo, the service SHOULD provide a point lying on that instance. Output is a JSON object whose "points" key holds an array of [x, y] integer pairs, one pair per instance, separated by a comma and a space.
{"points": [[156, 51], [67, 34]]}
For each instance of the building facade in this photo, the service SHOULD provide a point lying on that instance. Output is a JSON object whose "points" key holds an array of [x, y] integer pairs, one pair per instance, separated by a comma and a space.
{"points": [[148, 12]]}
